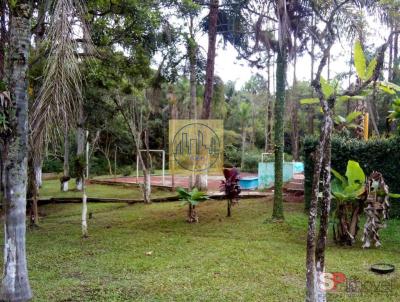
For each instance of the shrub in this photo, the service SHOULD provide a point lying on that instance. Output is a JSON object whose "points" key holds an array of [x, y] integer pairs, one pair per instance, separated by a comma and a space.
{"points": [[52, 165], [125, 170], [382, 155]]}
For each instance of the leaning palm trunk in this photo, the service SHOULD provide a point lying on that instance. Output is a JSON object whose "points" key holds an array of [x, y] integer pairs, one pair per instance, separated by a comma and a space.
{"points": [[15, 283]]}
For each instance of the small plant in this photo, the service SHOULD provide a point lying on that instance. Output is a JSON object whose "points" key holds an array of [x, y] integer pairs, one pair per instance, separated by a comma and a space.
{"points": [[231, 188], [350, 192], [192, 199]]}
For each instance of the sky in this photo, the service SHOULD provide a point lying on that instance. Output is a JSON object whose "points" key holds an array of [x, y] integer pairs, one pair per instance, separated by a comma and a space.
{"points": [[229, 68]]}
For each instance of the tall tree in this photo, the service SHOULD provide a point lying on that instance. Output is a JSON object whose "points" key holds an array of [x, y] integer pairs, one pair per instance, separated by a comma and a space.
{"points": [[15, 283], [212, 40], [259, 20], [327, 95]]}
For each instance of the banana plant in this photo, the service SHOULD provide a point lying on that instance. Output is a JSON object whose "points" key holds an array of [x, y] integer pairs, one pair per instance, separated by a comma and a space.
{"points": [[394, 114], [192, 199], [349, 192], [345, 124]]}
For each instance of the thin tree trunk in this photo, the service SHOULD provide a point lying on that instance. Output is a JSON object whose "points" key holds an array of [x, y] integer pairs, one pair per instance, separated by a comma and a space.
{"points": [[3, 157], [80, 141], [396, 70], [37, 167], [311, 265], [229, 208], [65, 178], [390, 65], [85, 233], [325, 209], [192, 50], [310, 109], [3, 37], [15, 283], [266, 133], [294, 113], [32, 193], [267, 105], [243, 146], [277, 212], [271, 124]]}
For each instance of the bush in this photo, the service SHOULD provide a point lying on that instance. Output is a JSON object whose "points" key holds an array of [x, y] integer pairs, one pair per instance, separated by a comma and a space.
{"points": [[125, 170], [52, 165], [232, 155], [382, 155], [251, 160]]}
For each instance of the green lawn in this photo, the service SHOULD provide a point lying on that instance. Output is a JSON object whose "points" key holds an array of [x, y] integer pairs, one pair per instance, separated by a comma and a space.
{"points": [[51, 188], [219, 259]]}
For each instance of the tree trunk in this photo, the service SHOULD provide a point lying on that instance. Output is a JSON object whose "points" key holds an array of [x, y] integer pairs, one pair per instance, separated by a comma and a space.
{"points": [[192, 214], [325, 209], [229, 208], [15, 283], [80, 141], [146, 185], [85, 233], [295, 130], [192, 50], [201, 179], [3, 37], [32, 194], [396, 70], [37, 167], [212, 39], [279, 132], [243, 147], [314, 261], [266, 129], [390, 65], [294, 112], [3, 157], [65, 179]]}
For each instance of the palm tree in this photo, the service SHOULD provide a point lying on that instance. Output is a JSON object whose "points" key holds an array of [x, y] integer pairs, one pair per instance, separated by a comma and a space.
{"points": [[60, 97], [15, 283]]}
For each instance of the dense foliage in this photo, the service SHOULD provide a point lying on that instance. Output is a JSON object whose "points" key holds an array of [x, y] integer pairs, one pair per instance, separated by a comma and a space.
{"points": [[381, 155]]}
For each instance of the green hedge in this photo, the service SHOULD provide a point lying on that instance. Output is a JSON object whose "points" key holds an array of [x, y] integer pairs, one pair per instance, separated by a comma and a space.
{"points": [[381, 155]]}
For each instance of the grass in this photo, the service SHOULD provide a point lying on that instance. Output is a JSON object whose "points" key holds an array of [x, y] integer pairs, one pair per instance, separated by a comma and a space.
{"points": [[149, 253], [51, 188]]}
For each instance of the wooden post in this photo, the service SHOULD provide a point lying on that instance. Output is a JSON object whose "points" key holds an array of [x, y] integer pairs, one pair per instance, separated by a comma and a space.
{"points": [[366, 125]]}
